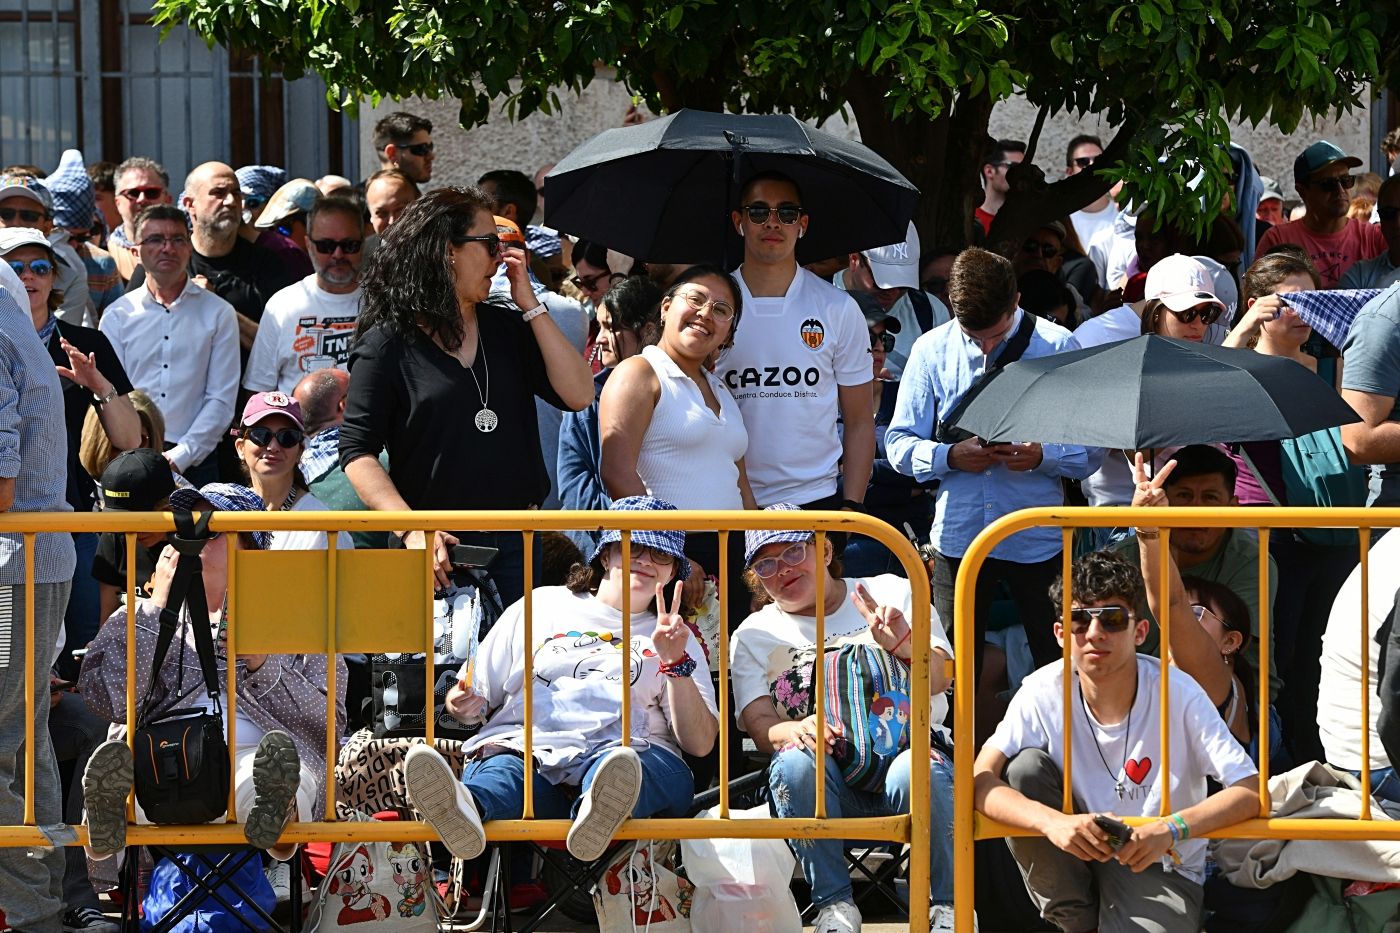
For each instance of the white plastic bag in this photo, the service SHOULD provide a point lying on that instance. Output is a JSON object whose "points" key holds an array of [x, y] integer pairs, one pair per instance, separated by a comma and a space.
{"points": [[741, 884]]}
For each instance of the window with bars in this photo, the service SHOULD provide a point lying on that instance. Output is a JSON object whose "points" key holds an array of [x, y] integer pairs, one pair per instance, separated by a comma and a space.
{"points": [[93, 74]]}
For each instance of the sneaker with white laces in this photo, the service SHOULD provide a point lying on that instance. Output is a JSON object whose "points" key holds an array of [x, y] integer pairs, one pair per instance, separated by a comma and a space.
{"points": [[279, 875], [606, 805], [838, 917], [444, 801], [88, 920], [940, 919], [107, 780]]}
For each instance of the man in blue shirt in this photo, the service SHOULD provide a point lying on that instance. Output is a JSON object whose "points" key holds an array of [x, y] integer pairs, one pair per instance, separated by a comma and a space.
{"points": [[33, 453], [980, 483]]}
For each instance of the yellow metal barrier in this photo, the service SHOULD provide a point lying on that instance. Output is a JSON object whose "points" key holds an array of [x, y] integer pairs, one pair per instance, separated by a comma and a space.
{"points": [[338, 601], [969, 825]]}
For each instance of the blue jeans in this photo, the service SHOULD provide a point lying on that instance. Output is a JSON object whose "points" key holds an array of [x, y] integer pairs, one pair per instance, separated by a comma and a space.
{"points": [[1385, 783], [498, 786], [792, 780]]}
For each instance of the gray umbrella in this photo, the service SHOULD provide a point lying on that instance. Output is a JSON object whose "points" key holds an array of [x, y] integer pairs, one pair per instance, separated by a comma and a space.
{"points": [[1151, 392]]}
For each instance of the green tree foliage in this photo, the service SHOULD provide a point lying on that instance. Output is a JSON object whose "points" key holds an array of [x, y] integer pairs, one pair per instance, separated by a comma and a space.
{"points": [[920, 76]]}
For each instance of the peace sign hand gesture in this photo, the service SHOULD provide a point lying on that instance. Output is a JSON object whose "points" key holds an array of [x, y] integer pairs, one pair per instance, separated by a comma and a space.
{"points": [[671, 632], [1150, 492], [887, 623]]}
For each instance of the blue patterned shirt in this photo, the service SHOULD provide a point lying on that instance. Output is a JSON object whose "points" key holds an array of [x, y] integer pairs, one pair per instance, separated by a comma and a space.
{"points": [[33, 443]]}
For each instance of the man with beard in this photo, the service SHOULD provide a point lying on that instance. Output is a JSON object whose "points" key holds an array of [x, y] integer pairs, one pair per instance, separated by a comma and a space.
{"points": [[309, 325]]}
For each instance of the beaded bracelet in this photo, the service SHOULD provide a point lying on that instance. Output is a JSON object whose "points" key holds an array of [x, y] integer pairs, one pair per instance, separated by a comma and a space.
{"points": [[682, 668]]}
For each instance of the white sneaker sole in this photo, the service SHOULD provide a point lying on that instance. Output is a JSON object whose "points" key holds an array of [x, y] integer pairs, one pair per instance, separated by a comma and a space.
{"points": [[606, 806], [432, 789], [106, 782]]}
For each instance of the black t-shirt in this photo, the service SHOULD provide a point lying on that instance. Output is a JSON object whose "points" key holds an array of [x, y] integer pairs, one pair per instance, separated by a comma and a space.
{"points": [[77, 400], [109, 563], [419, 403]]}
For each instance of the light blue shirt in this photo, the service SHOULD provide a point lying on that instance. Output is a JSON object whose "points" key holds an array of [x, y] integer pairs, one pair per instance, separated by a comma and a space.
{"points": [[1379, 272], [943, 365]]}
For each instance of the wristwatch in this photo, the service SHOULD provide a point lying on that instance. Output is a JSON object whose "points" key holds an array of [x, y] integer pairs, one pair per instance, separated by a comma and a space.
{"points": [[534, 312], [104, 399]]}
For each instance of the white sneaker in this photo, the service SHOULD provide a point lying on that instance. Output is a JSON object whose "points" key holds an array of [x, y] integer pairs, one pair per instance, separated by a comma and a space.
{"points": [[444, 802], [608, 802], [940, 919], [838, 917], [279, 875]]}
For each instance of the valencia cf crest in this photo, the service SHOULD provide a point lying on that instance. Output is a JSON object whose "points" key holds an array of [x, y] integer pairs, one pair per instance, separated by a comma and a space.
{"points": [[813, 333]]}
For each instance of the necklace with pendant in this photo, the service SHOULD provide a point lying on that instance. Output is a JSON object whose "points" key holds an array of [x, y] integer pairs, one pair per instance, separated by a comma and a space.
{"points": [[485, 420], [1127, 740]]}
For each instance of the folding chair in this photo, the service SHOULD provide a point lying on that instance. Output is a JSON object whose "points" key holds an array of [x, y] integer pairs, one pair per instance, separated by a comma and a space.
{"points": [[213, 883]]}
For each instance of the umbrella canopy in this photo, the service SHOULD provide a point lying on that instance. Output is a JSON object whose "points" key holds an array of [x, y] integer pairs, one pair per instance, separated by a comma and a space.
{"points": [[1151, 392], [662, 190]]}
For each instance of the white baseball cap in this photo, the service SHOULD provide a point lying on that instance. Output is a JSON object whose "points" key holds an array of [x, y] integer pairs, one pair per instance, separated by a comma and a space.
{"points": [[1180, 282], [896, 265]]}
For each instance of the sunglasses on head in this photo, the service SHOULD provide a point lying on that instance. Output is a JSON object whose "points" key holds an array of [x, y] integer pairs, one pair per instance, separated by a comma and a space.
{"points": [[1111, 618], [1330, 185], [43, 268], [792, 556], [327, 247], [142, 194], [491, 241], [261, 435], [758, 213], [1048, 250], [418, 149], [882, 342], [1208, 316], [8, 215]]}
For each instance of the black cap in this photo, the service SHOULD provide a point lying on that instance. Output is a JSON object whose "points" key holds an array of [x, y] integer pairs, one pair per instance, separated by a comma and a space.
{"points": [[136, 481]]}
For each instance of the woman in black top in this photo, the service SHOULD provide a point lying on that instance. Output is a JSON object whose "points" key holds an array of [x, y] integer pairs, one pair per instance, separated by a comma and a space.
{"points": [[446, 380]]}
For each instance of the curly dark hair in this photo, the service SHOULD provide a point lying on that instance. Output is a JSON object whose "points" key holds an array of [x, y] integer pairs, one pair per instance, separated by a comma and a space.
{"points": [[408, 286], [1099, 577]]}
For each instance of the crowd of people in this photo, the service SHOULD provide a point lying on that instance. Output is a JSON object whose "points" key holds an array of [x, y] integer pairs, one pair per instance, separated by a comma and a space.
{"points": [[254, 342]]}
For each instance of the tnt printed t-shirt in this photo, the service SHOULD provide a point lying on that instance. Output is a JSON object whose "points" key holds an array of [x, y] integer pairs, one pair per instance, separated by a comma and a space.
{"points": [[789, 356], [303, 328], [1201, 746], [770, 641], [577, 682]]}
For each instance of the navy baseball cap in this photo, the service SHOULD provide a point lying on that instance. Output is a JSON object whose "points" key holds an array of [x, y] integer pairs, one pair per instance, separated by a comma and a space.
{"points": [[669, 542]]}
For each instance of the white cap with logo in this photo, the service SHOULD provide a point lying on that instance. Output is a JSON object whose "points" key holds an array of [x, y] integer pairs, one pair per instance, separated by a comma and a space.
{"points": [[896, 265], [1180, 282]]}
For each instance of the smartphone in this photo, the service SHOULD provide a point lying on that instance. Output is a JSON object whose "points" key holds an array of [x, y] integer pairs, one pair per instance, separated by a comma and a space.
{"points": [[986, 443], [472, 557], [1118, 832]]}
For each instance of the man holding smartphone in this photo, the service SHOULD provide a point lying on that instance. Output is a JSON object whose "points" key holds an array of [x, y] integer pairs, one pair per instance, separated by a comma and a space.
{"points": [[980, 482], [1087, 870]]}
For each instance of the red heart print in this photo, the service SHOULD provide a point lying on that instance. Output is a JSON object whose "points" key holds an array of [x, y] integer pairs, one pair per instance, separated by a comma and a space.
{"points": [[1138, 769]]}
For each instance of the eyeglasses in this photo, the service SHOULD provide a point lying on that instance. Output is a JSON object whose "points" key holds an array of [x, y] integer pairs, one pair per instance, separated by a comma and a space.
{"points": [[8, 215], [1112, 619], [758, 213], [1330, 185], [1208, 316], [589, 283], [262, 435], [419, 149], [882, 342], [43, 268], [1200, 612], [1083, 161], [1048, 250], [491, 241], [327, 247], [161, 242], [1388, 214], [720, 310], [792, 556], [142, 194], [657, 556]]}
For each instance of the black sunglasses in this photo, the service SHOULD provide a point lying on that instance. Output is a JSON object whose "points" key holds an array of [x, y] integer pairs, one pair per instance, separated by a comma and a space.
{"points": [[491, 241], [1209, 316], [418, 149], [1083, 161], [885, 341], [327, 247], [758, 213], [1048, 250], [1330, 185], [8, 215], [1111, 618], [262, 435]]}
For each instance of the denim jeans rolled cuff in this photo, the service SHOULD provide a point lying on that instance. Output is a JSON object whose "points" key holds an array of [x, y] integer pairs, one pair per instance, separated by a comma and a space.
{"points": [[1385, 784], [792, 782], [497, 784]]}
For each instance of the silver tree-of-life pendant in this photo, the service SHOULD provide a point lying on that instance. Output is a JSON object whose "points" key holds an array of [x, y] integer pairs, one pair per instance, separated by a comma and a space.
{"points": [[486, 422], [1118, 789]]}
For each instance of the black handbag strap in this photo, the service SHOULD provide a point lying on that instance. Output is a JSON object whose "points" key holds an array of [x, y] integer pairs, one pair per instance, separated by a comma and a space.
{"points": [[1011, 353], [923, 309], [187, 592]]}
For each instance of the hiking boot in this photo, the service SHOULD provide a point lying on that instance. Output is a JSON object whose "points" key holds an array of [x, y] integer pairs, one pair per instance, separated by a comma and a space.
{"points": [[276, 777], [106, 782]]}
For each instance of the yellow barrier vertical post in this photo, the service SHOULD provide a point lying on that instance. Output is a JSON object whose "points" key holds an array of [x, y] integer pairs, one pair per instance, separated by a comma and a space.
{"points": [[964, 726], [819, 673], [332, 545], [1265, 622], [1067, 639], [30, 654], [230, 653], [1365, 674], [627, 638], [920, 784], [130, 660], [429, 549], [1164, 623], [724, 715], [528, 539]]}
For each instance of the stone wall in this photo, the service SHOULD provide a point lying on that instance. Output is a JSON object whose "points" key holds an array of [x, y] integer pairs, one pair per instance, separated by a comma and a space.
{"points": [[462, 156]]}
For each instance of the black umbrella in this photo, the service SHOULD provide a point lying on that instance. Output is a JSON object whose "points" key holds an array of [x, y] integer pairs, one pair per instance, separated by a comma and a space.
{"points": [[1151, 392], [662, 190]]}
